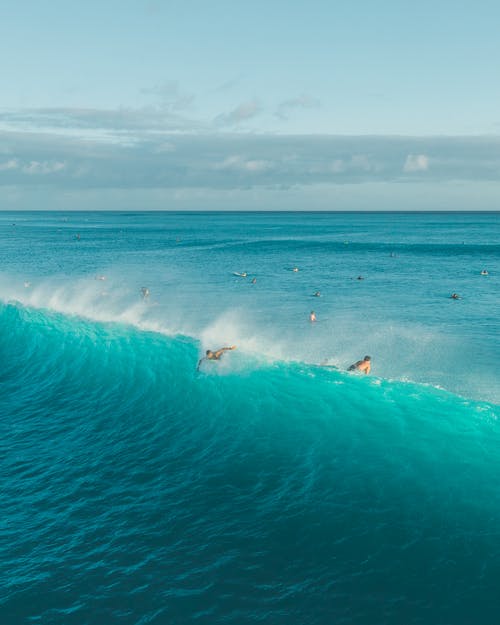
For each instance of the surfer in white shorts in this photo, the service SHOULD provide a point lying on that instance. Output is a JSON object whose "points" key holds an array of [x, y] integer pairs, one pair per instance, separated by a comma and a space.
{"points": [[215, 355]]}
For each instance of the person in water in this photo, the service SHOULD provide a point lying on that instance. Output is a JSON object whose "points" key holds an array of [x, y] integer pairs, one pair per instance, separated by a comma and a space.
{"points": [[312, 316], [455, 296], [362, 365], [484, 272], [145, 292], [215, 355]]}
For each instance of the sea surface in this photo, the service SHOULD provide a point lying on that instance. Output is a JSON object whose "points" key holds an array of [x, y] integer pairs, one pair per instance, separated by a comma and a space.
{"points": [[267, 487]]}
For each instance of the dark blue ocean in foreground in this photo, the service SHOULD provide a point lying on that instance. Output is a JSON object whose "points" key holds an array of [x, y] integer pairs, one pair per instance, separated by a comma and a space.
{"points": [[264, 488]]}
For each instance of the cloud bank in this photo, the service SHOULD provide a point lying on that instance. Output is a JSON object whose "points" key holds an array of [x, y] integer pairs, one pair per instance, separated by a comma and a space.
{"points": [[77, 151], [229, 161]]}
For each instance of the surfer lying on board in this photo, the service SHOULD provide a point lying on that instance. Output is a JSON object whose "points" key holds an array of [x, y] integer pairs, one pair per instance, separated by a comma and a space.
{"points": [[210, 355], [361, 365]]}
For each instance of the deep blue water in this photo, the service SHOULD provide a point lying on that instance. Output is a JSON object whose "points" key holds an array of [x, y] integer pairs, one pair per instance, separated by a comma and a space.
{"points": [[263, 488]]}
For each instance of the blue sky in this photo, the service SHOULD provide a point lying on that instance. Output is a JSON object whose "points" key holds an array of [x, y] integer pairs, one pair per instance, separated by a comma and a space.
{"points": [[262, 105]]}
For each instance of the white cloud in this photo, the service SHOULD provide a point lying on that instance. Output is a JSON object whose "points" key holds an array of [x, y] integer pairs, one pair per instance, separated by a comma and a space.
{"points": [[416, 162], [113, 125], [362, 162], [228, 84], [337, 166], [301, 102], [170, 95], [243, 112], [239, 163], [165, 147], [12, 163], [43, 167], [258, 165], [357, 164]]}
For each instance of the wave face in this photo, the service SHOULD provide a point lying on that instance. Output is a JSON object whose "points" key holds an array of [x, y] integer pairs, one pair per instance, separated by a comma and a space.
{"points": [[263, 488], [138, 490]]}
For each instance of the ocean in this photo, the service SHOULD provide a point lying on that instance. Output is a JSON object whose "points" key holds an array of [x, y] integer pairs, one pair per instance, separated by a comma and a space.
{"points": [[138, 489]]}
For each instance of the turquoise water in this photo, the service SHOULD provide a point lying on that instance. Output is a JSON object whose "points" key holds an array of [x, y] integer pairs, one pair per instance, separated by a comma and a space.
{"points": [[263, 488]]}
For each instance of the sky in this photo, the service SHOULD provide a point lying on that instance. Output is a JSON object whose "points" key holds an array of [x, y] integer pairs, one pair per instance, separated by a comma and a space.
{"points": [[232, 105]]}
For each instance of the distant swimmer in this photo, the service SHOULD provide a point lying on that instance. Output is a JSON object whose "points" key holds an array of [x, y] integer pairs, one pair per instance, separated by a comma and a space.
{"points": [[145, 292], [317, 294], [27, 285], [362, 365], [484, 272], [254, 280], [215, 355], [454, 296], [295, 269], [360, 278], [78, 237], [241, 275], [312, 316]]}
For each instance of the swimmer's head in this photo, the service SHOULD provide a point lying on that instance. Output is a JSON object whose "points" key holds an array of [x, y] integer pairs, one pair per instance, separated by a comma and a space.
{"points": [[367, 358], [208, 352]]}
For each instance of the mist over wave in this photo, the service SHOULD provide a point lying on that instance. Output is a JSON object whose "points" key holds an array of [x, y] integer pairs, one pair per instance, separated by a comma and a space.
{"points": [[403, 351], [38, 341]]}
